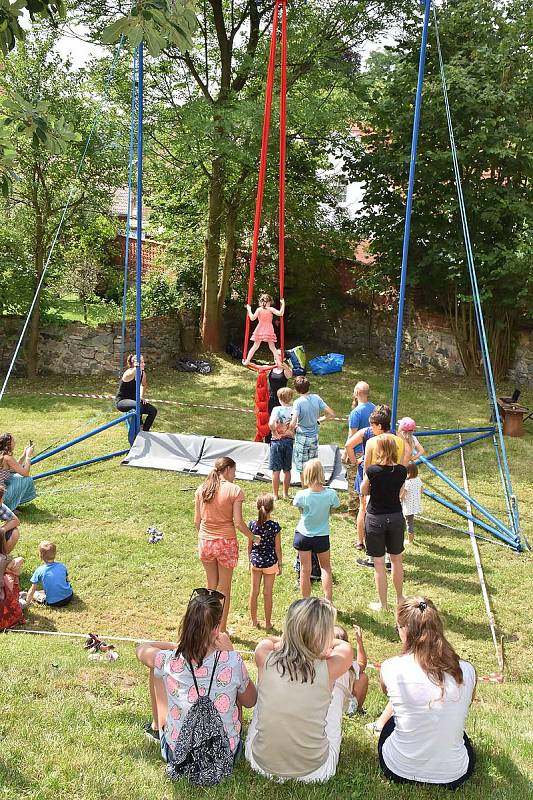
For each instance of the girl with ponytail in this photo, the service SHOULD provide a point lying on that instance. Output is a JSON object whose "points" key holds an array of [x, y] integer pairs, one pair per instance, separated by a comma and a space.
{"points": [[202, 648], [217, 515], [265, 558], [430, 689]]}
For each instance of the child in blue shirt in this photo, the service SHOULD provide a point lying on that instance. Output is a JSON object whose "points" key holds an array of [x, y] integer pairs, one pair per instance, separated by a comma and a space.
{"points": [[53, 577], [312, 531], [281, 442]]}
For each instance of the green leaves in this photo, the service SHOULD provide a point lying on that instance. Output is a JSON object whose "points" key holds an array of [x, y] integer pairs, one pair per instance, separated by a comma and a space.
{"points": [[10, 29], [157, 23], [20, 118]]}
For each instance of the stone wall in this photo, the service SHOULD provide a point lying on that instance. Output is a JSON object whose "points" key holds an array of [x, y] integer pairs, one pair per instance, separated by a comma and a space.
{"points": [[427, 343], [76, 349]]}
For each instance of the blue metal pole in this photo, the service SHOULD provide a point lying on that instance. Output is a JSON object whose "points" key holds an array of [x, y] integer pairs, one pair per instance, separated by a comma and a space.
{"points": [[83, 437], [138, 260], [465, 496], [447, 431], [128, 219], [408, 211], [80, 464], [457, 510], [458, 446]]}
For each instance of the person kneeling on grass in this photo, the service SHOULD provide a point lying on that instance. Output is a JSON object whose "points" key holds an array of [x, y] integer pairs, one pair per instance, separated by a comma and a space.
{"points": [[430, 689], [53, 577], [203, 659], [296, 729]]}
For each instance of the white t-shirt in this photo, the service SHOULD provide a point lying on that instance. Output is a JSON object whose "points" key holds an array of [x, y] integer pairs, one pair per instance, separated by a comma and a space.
{"points": [[412, 501], [427, 742]]}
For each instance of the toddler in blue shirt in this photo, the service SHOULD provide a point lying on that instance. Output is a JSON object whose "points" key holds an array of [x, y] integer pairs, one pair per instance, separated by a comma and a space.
{"points": [[53, 577]]}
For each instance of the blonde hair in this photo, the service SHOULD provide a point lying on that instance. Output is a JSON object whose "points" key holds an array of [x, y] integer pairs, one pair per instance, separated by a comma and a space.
{"points": [[266, 298], [47, 551], [313, 472], [265, 506], [211, 484], [407, 436], [307, 634], [361, 387], [385, 450], [285, 395], [426, 641]]}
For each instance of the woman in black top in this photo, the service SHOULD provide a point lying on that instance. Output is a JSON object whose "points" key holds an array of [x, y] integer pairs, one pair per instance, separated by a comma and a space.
{"points": [[384, 521], [126, 395], [277, 379]]}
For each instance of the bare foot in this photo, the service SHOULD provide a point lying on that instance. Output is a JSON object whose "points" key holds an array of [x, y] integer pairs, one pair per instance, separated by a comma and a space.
{"points": [[255, 623], [286, 497], [269, 626]]}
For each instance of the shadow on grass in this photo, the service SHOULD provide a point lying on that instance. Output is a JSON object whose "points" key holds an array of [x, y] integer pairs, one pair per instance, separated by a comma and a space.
{"points": [[420, 576], [383, 626], [35, 514]]}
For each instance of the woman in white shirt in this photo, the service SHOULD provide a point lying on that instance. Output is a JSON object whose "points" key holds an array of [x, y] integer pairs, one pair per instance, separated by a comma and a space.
{"points": [[422, 738]]}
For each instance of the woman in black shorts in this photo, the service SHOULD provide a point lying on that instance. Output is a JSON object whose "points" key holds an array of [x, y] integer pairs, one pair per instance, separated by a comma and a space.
{"points": [[384, 521], [126, 394]]}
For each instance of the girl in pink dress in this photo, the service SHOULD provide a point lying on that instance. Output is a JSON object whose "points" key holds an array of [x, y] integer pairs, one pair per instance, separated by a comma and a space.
{"points": [[264, 331]]}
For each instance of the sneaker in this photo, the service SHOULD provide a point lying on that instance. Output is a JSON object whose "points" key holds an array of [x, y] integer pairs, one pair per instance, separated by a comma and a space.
{"points": [[150, 733], [365, 562]]}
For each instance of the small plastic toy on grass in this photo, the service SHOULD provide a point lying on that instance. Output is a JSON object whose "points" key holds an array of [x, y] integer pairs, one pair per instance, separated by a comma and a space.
{"points": [[264, 331]]}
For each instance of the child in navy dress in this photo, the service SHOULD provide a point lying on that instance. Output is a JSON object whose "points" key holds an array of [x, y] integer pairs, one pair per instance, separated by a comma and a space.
{"points": [[265, 558]]}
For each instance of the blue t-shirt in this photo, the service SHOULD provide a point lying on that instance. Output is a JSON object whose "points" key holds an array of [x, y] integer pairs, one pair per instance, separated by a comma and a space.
{"points": [[308, 408], [359, 418], [263, 554], [54, 579], [315, 508]]}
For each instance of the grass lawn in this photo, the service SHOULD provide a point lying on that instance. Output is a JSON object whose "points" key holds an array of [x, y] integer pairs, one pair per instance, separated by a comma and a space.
{"points": [[71, 728]]}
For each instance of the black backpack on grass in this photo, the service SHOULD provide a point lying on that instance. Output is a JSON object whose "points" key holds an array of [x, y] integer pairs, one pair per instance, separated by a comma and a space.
{"points": [[316, 572], [202, 755]]}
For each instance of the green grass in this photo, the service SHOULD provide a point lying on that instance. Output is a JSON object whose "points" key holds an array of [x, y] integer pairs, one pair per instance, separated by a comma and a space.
{"points": [[71, 728], [70, 309]]}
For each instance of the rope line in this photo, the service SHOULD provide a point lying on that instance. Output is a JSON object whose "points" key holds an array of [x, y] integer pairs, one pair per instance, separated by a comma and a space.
{"points": [[263, 165], [62, 219], [505, 475], [373, 665], [479, 567]]}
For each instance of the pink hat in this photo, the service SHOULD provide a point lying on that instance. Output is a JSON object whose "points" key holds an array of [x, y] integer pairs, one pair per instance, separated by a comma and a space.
{"points": [[406, 424]]}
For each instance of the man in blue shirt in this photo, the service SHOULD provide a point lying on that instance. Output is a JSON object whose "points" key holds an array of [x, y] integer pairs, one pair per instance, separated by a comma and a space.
{"points": [[358, 419], [306, 417]]}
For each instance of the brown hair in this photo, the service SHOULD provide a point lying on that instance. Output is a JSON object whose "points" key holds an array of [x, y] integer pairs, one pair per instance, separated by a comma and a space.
{"points": [[385, 449], [301, 384], [211, 484], [6, 446], [285, 395], [381, 415], [2, 492], [412, 470], [265, 506], [426, 640], [265, 298], [47, 551], [202, 616]]}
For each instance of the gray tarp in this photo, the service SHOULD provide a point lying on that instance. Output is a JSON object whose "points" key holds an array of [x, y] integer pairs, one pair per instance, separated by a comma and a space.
{"points": [[196, 455]]}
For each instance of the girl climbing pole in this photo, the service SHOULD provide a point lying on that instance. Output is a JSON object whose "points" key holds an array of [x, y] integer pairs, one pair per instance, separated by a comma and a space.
{"points": [[264, 331]]}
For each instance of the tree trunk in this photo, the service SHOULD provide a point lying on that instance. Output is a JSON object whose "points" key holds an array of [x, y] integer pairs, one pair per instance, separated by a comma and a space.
{"points": [[210, 322], [32, 347], [229, 257]]}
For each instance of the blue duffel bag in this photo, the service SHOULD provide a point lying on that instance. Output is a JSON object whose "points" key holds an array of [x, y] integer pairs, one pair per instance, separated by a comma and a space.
{"points": [[325, 365]]}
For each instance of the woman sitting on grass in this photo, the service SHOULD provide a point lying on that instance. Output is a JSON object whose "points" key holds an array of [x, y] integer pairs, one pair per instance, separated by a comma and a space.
{"points": [[202, 648], [296, 730], [15, 475], [430, 689], [10, 609], [217, 514]]}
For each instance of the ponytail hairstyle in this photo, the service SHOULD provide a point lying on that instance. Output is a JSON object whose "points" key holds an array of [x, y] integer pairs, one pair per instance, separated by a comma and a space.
{"points": [[211, 484], [426, 640], [202, 617], [6, 444], [265, 506], [130, 361]]}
